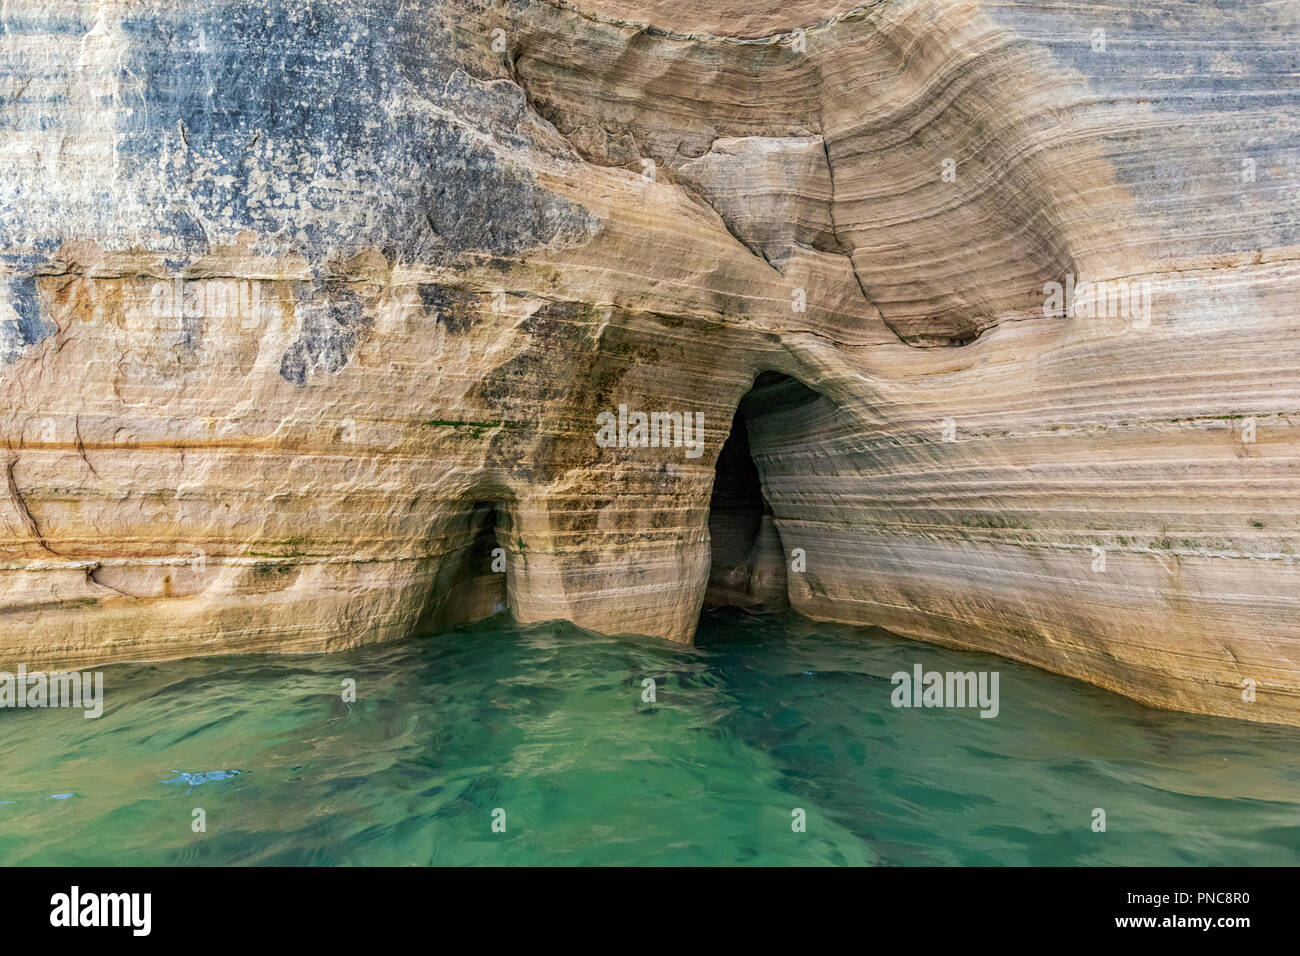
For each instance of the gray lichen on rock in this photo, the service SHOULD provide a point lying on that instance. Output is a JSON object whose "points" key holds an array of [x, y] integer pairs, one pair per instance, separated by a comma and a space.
{"points": [[332, 325], [470, 228], [26, 326]]}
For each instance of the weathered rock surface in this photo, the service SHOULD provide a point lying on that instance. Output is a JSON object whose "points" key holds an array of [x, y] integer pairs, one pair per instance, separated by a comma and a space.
{"points": [[306, 309]]}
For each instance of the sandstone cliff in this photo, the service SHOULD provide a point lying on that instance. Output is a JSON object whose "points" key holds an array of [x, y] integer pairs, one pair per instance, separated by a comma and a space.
{"points": [[307, 308]]}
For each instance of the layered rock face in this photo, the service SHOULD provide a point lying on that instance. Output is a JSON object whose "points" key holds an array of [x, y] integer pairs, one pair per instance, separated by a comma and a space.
{"points": [[317, 321]]}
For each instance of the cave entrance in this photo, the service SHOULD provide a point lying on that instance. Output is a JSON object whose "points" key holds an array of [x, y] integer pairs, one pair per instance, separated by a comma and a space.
{"points": [[472, 577], [747, 559]]}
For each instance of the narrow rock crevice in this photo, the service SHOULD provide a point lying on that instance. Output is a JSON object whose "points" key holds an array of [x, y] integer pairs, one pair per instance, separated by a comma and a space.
{"points": [[20, 507], [470, 578], [748, 561]]}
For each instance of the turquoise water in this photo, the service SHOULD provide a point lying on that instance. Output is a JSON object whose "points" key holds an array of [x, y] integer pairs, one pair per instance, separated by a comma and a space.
{"points": [[547, 723]]}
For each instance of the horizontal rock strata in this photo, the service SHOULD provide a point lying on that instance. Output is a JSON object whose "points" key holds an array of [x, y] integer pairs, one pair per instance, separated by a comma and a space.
{"points": [[309, 314]]}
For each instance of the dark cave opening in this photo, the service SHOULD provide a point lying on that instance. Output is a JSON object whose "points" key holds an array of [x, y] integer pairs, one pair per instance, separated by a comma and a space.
{"points": [[747, 559], [471, 582]]}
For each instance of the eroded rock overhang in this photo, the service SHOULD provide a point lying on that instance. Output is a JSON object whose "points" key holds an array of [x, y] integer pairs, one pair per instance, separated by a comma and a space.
{"points": [[304, 306]]}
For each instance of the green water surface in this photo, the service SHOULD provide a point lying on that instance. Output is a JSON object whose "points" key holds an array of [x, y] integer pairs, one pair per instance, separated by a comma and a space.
{"points": [[547, 723]]}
